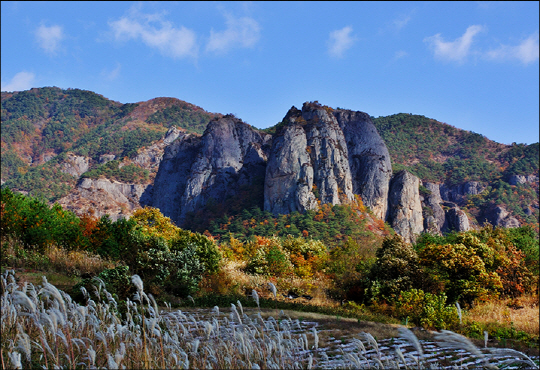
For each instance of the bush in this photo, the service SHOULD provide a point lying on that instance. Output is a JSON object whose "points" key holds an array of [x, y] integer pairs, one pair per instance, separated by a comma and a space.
{"points": [[205, 248], [270, 259], [37, 225], [117, 282], [186, 272], [426, 310], [465, 269], [395, 270]]}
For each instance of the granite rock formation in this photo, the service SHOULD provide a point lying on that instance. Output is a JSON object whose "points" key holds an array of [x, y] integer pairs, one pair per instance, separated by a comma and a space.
{"points": [[369, 159], [308, 163], [404, 206]]}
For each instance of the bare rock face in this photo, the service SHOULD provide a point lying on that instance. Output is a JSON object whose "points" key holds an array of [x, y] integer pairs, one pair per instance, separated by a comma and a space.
{"points": [[173, 174], [499, 217], [106, 158], [434, 215], [404, 206], [369, 159], [150, 158], [458, 193], [196, 169], [231, 155], [308, 163], [103, 196], [455, 219], [289, 173], [75, 165], [522, 179]]}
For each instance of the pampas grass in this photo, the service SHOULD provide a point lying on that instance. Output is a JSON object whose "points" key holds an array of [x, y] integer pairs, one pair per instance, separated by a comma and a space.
{"points": [[42, 327]]}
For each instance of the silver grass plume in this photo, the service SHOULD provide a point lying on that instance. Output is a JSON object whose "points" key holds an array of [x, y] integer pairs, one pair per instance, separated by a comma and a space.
{"points": [[315, 337], [240, 305], [111, 364], [411, 338], [273, 289], [447, 338], [22, 299], [235, 311], [255, 296], [15, 358], [24, 342], [136, 280], [513, 352], [51, 290], [154, 303]]}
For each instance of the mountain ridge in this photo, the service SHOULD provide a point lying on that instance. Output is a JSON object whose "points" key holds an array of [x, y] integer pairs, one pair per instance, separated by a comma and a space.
{"points": [[129, 141]]}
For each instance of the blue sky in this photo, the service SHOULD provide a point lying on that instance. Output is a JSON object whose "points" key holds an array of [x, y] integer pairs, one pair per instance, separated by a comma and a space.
{"points": [[473, 65]]}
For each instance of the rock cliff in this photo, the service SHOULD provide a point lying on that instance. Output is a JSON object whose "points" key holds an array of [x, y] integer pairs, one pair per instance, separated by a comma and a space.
{"points": [[404, 206], [75, 165], [317, 155], [308, 163], [369, 159], [196, 169], [103, 196], [434, 215]]}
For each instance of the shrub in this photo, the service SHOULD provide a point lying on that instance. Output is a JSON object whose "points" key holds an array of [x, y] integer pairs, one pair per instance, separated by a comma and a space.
{"points": [[186, 272], [395, 270], [37, 224], [206, 249], [117, 282], [270, 259], [463, 269], [426, 309]]}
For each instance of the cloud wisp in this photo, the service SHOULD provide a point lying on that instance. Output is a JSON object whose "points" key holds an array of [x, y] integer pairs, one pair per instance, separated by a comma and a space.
{"points": [[340, 41], [402, 21], [156, 33], [49, 38], [21, 81], [457, 50], [526, 52], [240, 32]]}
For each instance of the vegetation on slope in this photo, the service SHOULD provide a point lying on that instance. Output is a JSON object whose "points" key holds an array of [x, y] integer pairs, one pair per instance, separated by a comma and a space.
{"points": [[374, 275], [44, 123], [441, 153]]}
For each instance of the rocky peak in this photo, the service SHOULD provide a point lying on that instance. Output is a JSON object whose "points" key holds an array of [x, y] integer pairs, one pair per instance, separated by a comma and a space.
{"points": [[369, 159], [308, 162], [194, 170], [404, 206]]}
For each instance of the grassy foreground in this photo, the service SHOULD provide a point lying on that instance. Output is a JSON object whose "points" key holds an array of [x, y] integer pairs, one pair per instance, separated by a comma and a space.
{"points": [[43, 327]]}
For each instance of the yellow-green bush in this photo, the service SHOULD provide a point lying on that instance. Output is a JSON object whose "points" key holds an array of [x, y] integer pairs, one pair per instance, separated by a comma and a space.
{"points": [[426, 310]]}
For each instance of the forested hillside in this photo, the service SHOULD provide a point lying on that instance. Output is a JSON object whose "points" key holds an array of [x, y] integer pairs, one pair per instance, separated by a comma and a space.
{"points": [[44, 128], [41, 125], [441, 153]]}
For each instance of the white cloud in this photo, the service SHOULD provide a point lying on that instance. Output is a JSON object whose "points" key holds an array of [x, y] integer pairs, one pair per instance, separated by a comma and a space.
{"points": [[340, 41], [401, 22], [112, 75], [21, 81], [456, 50], [240, 32], [400, 54], [49, 38], [526, 52], [169, 40]]}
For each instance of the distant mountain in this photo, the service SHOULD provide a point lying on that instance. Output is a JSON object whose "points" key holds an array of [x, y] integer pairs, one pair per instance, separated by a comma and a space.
{"points": [[42, 127], [93, 154], [507, 175]]}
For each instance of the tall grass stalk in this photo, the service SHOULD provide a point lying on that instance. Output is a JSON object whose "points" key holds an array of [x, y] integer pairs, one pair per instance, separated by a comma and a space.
{"points": [[42, 327]]}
